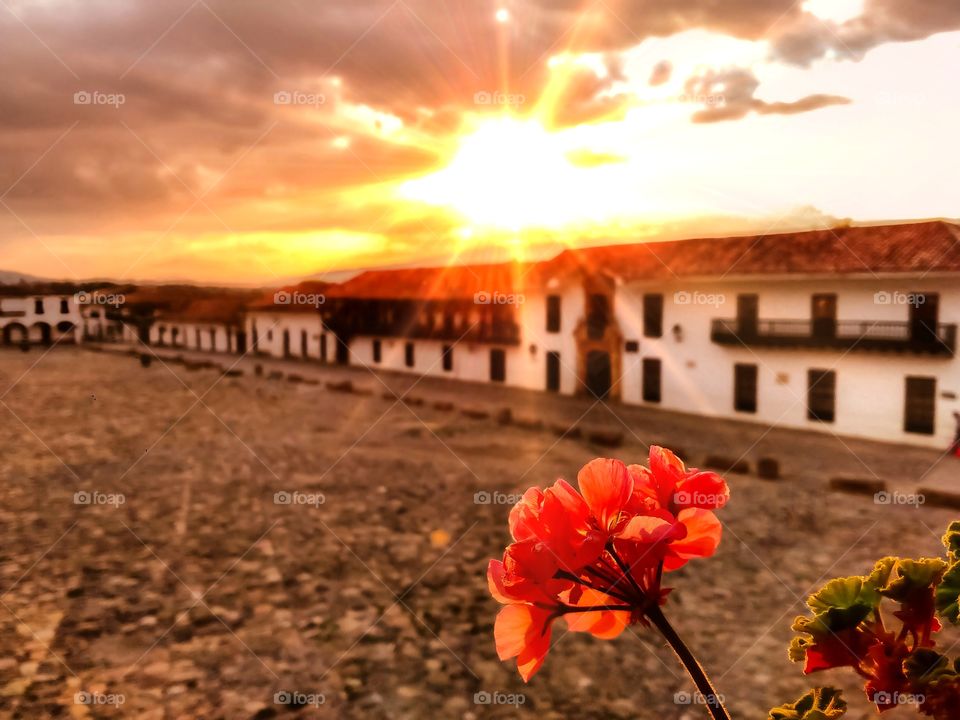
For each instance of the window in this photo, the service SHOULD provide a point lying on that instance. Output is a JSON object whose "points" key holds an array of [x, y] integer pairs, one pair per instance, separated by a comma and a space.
{"points": [[553, 313], [653, 316], [498, 365], [553, 372], [651, 380], [447, 358], [748, 315], [213, 339], [323, 347], [920, 405], [38, 306], [303, 343], [377, 351], [64, 307], [745, 387], [408, 354], [821, 395], [598, 316], [632, 346], [196, 337]]}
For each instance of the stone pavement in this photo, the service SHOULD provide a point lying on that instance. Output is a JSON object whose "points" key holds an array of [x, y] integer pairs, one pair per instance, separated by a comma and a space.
{"points": [[205, 546]]}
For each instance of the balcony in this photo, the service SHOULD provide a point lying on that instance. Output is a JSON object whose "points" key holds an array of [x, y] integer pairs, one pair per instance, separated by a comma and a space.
{"points": [[902, 337]]}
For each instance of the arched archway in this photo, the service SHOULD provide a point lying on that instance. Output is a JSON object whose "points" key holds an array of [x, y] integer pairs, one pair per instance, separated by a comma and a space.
{"points": [[41, 333], [66, 331], [14, 334]]}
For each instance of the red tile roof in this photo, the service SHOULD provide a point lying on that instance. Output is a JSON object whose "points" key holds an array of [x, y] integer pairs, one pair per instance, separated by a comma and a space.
{"points": [[456, 282], [226, 310], [905, 248]]}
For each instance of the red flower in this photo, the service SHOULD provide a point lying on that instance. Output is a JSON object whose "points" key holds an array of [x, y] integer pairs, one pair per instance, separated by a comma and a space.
{"points": [[596, 559]]}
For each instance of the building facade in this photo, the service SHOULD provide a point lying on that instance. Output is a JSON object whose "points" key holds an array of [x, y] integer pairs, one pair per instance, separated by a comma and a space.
{"points": [[850, 331], [30, 318], [287, 323]]}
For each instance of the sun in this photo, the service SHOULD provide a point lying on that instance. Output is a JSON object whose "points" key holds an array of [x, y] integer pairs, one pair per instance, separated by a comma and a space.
{"points": [[513, 174]]}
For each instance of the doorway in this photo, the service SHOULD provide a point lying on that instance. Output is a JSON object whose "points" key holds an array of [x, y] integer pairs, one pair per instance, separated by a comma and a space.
{"points": [[748, 315], [924, 317], [823, 310], [599, 375], [553, 372]]}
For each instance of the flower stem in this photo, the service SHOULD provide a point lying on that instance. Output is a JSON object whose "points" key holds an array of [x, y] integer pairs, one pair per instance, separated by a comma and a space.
{"points": [[690, 663]]}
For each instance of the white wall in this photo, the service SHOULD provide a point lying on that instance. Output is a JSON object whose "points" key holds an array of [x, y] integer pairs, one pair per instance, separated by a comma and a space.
{"points": [[698, 373], [526, 362], [270, 328], [27, 315], [212, 337], [471, 361]]}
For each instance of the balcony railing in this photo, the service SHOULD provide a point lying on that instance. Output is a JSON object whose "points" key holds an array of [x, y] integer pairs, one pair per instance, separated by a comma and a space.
{"points": [[843, 335]]}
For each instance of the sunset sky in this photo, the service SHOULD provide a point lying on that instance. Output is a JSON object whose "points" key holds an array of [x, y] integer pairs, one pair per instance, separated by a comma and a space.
{"points": [[253, 142]]}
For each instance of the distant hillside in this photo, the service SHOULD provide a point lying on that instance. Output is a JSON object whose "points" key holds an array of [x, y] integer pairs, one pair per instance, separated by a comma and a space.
{"points": [[8, 277]]}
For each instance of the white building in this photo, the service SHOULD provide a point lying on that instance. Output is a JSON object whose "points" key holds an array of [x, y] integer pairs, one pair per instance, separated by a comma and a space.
{"points": [[29, 317], [287, 324], [850, 331], [214, 324]]}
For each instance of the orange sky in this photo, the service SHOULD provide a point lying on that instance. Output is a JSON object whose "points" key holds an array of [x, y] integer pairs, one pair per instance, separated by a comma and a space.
{"points": [[248, 142]]}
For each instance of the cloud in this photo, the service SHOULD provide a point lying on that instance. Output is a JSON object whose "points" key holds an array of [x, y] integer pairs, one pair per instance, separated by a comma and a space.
{"points": [[730, 95], [807, 38]]}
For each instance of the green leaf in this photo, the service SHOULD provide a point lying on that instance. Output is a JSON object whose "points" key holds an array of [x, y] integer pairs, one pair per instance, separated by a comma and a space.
{"points": [[818, 704], [832, 620], [947, 594], [925, 666], [951, 541], [844, 593], [907, 578]]}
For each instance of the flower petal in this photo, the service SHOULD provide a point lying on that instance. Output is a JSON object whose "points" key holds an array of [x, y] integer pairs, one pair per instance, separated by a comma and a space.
{"points": [[701, 489], [495, 581], [667, 470], [702, 539], [523, 631], [607, 487], [604, 624]]}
